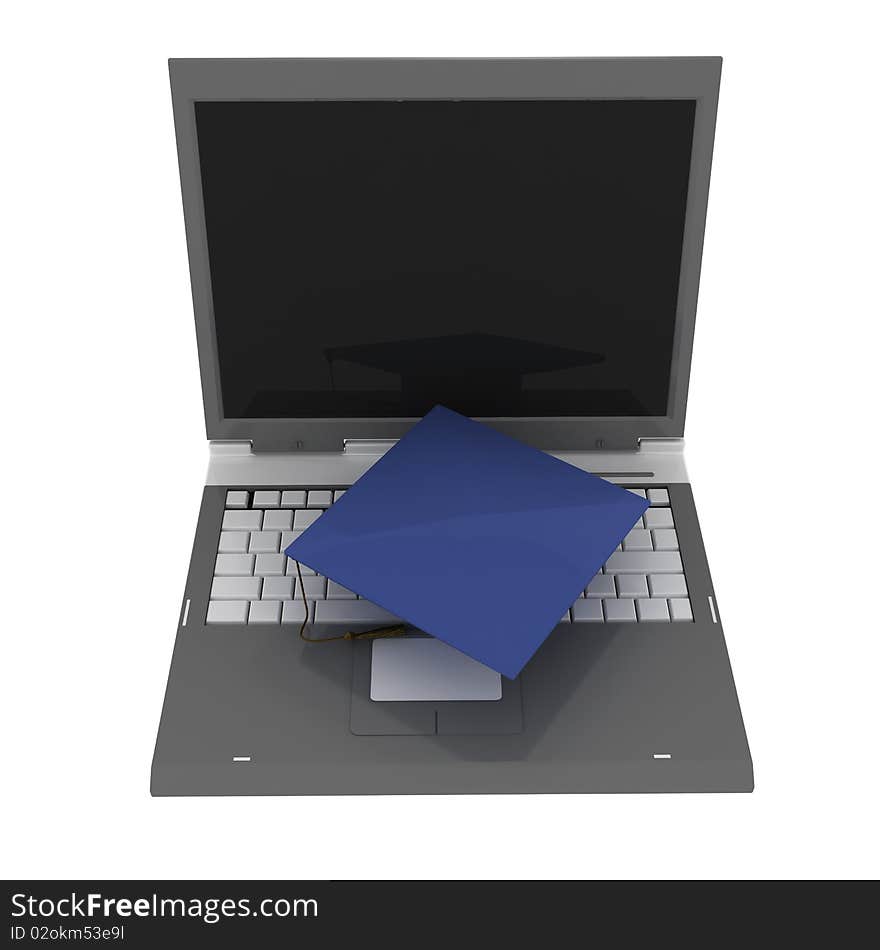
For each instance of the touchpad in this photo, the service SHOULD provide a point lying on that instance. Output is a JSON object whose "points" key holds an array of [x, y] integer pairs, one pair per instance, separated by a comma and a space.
{"points": [[424, 669]]}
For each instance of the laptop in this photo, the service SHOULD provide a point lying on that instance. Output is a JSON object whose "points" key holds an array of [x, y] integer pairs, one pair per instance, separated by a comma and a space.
{"points": [[519, 241]]}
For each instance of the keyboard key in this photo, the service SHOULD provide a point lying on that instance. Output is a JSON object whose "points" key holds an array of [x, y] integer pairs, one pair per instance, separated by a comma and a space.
{"points": [[587, 610], [236, 499], [315, 587], [291, 569], [279, 520], [680, 609], [270, 564], [232, 542], [242, 520], [658, 496], [665, 539], [267, 499], [288, 537], [293, 611], [632, 585], [293, 499], [302, 518], [351, 611], [602, 585], [320, 499], [652, 610], [637, 491], [278, 588], [667, 585], [264, 542], [638, 540], [619, 611], [659, 518], [338, 494], [265, 611], [338, 592], [566, 617], [236, 588], [227, 611], [644, 562], [231, 565]]}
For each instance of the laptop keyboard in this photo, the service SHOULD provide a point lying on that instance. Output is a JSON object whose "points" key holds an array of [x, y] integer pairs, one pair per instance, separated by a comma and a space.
{"points": [[643, 580]]}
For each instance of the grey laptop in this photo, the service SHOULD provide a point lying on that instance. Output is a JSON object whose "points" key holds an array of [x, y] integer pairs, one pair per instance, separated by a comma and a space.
{"points": [[519, 240]]}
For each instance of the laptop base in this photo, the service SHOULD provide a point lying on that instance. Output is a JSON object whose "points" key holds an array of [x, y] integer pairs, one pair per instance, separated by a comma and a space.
{"points": [[613, 707]]}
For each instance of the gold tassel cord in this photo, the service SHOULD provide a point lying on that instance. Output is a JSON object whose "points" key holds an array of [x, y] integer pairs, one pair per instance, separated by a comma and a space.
{"points": [[378, 634]]}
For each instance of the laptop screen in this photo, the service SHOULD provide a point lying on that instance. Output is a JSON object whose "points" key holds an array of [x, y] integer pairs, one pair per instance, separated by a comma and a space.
{"points": [[500, 257]]}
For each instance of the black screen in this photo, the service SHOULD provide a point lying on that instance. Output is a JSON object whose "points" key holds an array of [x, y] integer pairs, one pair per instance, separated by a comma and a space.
{"points": [[503, 258]]}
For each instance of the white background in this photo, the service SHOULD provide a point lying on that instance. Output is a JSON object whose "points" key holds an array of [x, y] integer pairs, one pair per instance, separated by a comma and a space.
{"points": [[104, 447]]}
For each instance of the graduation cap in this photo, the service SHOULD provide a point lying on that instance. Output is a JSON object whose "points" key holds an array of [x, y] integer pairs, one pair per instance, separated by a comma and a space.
{"points": [[471, 536]]}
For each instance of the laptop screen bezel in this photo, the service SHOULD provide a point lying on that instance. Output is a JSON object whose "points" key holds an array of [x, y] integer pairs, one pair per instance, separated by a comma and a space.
{"points": [[696, 79]]}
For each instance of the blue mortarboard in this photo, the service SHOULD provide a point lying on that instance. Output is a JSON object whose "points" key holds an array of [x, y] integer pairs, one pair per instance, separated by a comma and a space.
{"points": [[471, 536]]}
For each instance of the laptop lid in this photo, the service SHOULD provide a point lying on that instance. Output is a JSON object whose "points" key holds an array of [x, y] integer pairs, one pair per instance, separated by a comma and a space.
{"points": [[519, 240]]}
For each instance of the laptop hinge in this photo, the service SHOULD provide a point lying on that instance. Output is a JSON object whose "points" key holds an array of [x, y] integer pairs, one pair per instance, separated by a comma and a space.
{"points": [[380, 446], [367, 446], [227, 449], [661, 445]]}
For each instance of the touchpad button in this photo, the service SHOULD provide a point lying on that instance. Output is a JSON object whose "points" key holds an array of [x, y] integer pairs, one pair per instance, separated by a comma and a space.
{"points": [[424, 669]]}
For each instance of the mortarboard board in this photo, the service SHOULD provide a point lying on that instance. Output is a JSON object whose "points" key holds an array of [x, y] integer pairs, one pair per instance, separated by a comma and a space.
{"points": [[471, 536]]}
